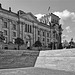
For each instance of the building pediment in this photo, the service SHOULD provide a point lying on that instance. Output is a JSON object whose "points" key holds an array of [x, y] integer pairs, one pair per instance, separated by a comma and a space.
{"points": [[28, 16]]}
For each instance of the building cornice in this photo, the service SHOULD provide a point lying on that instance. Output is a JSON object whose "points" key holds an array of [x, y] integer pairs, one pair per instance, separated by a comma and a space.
{"points": [[16, 15], [7, 12]]}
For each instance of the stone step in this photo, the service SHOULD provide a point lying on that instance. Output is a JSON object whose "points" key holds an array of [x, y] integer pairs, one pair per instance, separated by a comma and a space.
{"points": [[57, 59], [34, 71], [17, 58]]}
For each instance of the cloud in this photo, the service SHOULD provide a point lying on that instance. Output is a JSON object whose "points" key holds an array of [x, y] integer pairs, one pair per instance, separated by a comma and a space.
{"points": [[39, 16], [68, 29], [64, 15]]}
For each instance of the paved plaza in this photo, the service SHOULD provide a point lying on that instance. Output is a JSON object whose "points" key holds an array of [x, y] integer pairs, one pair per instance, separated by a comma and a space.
{"points": [[34, 71], [57, 59], [50, 62]]}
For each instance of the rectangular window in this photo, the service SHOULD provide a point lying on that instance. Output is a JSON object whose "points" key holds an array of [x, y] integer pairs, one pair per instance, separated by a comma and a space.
{"points": [[14, 26], [43, 33], [5, 24], [47, 34], [38, 32], [5, 32], [57, 21], [38, 38], [25, 27], [14, 34], [30, 29], [56, 36], [43, 39], [52, 20], [47, 40]]}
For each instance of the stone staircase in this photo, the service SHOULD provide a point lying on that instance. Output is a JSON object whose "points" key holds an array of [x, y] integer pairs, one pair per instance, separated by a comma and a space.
{"points": [[51, 59], [57, 59], [17, 58]]}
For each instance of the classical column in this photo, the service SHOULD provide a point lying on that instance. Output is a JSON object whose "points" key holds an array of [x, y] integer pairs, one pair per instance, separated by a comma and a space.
{"points": [[54, 39], [1, 22], [9, 29], [21, 30], [45, 37], [41, 34], [18, 26], [33, 32]]}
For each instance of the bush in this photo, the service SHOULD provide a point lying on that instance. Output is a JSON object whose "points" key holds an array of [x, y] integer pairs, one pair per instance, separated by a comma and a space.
{"points": [[5, 47], [50, 45], [28, 47], [60, 46], [37, 44], [19, 41], [15, 48]]}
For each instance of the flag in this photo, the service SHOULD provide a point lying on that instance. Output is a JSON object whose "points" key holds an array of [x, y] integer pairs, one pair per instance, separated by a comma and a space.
{"points": [[49, 8]]}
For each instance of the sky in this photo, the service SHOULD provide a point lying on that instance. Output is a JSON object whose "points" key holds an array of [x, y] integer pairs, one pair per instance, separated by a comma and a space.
{"points": [[65, 9]]}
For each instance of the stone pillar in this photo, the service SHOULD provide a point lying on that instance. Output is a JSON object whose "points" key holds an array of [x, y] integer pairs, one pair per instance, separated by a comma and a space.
{"points": [[1, 24], [33, 33], [40, 35], [45, 37], [8, 30], [18, 25]]}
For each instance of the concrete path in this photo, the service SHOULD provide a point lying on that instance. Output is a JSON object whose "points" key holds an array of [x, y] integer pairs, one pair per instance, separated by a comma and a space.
{"points": [[51, 62], [57, 59], [17, 58], [34, 71]]}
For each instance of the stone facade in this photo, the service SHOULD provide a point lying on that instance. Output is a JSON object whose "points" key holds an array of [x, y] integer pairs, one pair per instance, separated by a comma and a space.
{"points": [[27, 27], [55, 28]]}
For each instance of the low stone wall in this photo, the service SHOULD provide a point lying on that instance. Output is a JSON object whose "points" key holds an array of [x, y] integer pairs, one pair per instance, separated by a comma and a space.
{"points": [[57, 59], [17, 58]]}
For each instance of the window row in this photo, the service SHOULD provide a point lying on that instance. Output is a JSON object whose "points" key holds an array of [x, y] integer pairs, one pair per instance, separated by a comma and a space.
{"points": [[28, 28], [43, 33], [6, 33], [55, 21], [39, 33], [6, 39], [43, 39], [6, 26]]}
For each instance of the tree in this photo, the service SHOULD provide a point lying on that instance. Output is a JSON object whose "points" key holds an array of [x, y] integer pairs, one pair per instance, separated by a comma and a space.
{"points": [[19, 42], [60, 46], [37, 44]]}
